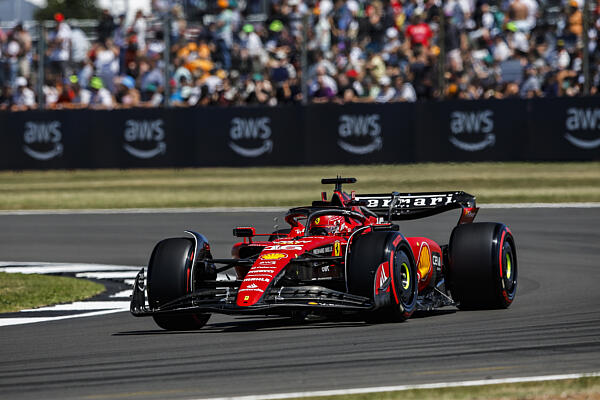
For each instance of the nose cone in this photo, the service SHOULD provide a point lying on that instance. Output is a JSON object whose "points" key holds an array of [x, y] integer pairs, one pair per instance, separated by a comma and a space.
{"points": [[262, 273]]}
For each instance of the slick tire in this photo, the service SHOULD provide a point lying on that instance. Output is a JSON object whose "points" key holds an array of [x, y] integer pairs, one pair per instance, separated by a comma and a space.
{"points": [[169, 277], [367, 253], [483, 266]]}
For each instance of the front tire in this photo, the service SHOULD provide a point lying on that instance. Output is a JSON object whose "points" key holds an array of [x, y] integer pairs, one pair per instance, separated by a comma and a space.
{"points": [[379, 261], [483, 266], [170, 277]]}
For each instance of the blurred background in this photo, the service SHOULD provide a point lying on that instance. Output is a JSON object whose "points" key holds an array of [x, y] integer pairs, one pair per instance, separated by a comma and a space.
{"points": [[107, 54]]}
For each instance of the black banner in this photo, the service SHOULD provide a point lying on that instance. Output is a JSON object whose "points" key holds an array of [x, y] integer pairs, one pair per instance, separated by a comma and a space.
{"points": [[360, 133], [564, 129], [471, 131], [501, 130], [244, 136]]}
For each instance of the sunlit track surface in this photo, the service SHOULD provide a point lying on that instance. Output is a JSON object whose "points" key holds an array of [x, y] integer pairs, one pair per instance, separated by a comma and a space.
{"points": [[552, 328]]}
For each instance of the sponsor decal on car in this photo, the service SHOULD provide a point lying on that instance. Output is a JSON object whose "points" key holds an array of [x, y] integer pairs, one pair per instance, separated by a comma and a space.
{"points": [[257, 280], [472, 130], [323, 250], [261, 271], [144, 139], [251, 288], [284, 247], [424, 262], [250, 137], [382, 284], [436, 260], [408, 201], [360, 134], [43, 140], [273, 256], [337, 248], [582, 126], [293, 241], [266, 263]]}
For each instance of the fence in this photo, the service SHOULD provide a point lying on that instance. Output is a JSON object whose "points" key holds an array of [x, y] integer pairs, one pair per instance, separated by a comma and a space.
{"points": [[508, 130]]}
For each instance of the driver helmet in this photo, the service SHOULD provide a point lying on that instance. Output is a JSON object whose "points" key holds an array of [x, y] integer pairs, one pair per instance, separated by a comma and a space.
{"points": [[328, 225]]}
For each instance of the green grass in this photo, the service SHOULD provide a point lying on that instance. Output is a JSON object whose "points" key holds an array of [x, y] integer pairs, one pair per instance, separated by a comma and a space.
{"points": [[574, 389], [285, 186], [21, 291]]}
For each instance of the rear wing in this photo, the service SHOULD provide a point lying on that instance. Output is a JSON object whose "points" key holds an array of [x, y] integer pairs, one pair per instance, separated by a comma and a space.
{"points": [[404, 206]]}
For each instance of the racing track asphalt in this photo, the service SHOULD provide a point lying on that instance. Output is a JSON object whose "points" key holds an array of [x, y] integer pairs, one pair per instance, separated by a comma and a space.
{"points": [[553, 326]]}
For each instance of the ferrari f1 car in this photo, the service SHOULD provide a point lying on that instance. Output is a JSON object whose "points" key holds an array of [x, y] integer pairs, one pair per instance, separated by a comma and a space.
{"points": [[345, 255]]}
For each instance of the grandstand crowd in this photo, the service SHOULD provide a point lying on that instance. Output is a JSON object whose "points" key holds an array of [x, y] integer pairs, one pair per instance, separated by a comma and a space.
{"points": [[357, 51]]}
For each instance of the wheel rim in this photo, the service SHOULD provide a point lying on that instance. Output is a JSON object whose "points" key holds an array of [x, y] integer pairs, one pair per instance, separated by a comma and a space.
{"points": [[405, 274], [509, 269], [406, 283]]}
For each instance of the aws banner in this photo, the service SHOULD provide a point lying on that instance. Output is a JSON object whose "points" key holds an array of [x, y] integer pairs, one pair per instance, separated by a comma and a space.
{"points": [[564, 129], [506, 130], [243, 136], [471, 131], [359, 133]]}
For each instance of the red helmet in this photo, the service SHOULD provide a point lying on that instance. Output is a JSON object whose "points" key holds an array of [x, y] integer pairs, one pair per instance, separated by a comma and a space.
{"points": [[328, 225]]}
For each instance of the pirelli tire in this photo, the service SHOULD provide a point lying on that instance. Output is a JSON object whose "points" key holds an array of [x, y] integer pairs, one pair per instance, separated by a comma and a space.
{"points": [[483, 267], [367, 253], [170, 277]]}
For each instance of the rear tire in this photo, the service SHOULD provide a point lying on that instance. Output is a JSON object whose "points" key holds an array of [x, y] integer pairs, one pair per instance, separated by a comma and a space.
{"points": [[483, 266], [368, 252], [169, 277]]}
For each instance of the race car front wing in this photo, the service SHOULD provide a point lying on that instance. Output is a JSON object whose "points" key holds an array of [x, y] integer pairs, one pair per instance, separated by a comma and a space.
{"points": [[222, 299]]}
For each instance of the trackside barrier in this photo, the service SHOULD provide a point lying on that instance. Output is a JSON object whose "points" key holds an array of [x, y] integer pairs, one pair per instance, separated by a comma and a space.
{"points": [[502, 130]]}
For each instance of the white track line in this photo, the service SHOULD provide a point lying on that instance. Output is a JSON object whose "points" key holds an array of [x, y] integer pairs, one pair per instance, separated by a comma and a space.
{"points": [[146, 210], [123, 294], [259, 209], [108, 275], [84, 306], [57, 268], [346, 392], [23, 321], [541, 205]]}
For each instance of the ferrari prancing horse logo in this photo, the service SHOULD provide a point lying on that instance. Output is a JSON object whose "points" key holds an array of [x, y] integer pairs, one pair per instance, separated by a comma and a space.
{"points": [[337, 249]]}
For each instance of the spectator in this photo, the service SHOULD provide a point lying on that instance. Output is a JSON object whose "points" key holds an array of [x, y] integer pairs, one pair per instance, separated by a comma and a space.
{"points": [[404, 90], [81, 95], [387, 92], [6, 98], [100, 97], [106, 26], [419, 33], [138, 28], [127, 95], [24, 98], [23, 38], [59, 47], [357, 51]]}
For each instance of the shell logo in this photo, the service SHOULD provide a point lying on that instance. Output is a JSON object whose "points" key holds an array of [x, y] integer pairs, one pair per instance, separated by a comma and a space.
{"points": [[273, 256], [424, 263]]}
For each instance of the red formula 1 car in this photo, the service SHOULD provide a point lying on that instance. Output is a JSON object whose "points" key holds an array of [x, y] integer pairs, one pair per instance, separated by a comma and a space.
{"points": [[343, 255]]}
